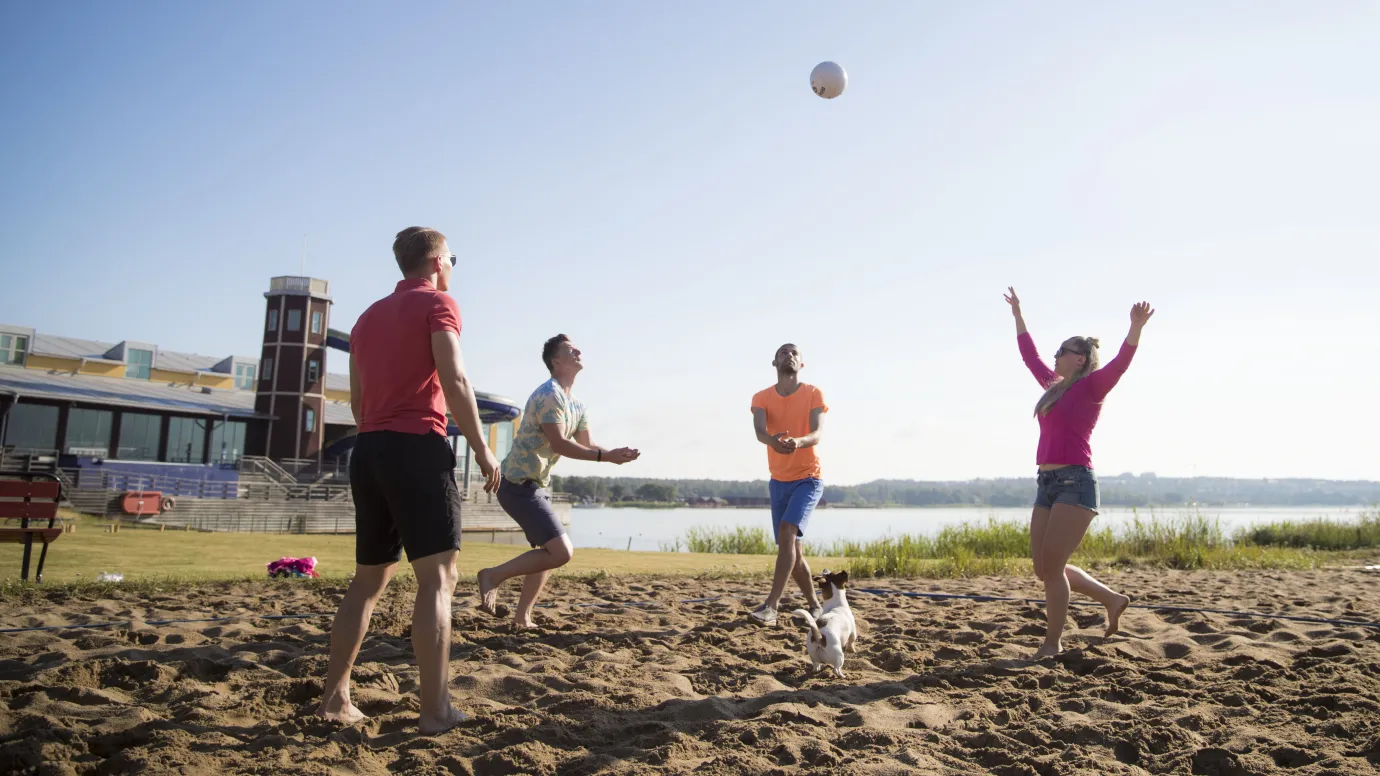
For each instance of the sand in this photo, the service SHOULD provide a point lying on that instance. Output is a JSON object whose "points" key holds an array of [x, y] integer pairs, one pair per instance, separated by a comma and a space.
{"points": [[936, 686]]}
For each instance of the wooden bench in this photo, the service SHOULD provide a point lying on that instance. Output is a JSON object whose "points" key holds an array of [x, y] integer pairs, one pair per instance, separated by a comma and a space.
{"points": [[26, 497]]}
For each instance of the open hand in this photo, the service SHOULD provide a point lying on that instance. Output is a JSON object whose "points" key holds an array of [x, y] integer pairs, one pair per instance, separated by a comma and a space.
{"points": [[1012, 300], [1140, 313], [622, 455]]}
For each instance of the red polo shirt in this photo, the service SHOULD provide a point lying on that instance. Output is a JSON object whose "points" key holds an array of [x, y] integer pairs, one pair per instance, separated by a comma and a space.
{"points": [[391, 345]]}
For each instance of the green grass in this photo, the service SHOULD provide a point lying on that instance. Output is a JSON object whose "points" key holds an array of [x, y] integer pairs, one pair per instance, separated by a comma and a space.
{"points": [[1188, 541], [1320, 534], [737, 541], [148, 556]]}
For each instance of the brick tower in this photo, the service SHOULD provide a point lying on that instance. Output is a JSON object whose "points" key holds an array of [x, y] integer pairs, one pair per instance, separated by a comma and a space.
{"points": [[292, 367]]}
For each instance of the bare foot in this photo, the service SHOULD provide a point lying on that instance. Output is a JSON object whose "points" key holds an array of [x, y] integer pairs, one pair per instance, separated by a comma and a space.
{"points": [[488, 593], [431, 727], [340, 710], [1046, 651], [1114, 616], [526, 624]]}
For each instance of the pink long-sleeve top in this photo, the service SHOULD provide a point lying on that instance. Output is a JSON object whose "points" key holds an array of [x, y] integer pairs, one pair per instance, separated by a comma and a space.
{"points": [[1066, 432]]}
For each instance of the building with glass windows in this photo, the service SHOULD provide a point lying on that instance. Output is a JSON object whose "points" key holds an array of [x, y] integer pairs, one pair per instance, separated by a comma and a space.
{"points": [[100, 402]]}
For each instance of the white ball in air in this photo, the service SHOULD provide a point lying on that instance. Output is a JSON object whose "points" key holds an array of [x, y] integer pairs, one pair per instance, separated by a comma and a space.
{"points": [[828, 80]]}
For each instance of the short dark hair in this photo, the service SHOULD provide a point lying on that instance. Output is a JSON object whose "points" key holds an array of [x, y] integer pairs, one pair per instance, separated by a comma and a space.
{"points": [[414, 245], [548, 351]]}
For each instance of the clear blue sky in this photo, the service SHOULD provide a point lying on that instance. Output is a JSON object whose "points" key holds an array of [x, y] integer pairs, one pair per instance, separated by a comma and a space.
{"points": [[658, 181]]}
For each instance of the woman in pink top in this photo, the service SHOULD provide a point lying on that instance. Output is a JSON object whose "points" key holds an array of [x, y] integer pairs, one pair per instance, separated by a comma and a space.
{"points": [[1067, 497]]}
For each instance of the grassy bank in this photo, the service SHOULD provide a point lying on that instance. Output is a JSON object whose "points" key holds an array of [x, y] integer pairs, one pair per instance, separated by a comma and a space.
{"points": [[1320, 534], [1190, 541], [191, 556]]}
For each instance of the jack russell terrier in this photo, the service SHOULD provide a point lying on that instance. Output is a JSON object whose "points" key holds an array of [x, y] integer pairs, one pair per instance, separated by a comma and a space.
{"points": [[835, 630]]}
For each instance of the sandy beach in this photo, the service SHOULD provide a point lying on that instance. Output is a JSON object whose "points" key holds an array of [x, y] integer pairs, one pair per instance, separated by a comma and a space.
{"points": [[937, 686]]}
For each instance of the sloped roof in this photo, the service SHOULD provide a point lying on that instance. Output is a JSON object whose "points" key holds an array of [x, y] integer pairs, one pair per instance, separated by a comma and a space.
{"points": [[73, 347], [122, 392]]}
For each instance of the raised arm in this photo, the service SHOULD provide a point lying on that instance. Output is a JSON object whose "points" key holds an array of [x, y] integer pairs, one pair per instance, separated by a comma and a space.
{"points": [[1104, 379], [1044, 375], [459, 393], [1015, 303]]}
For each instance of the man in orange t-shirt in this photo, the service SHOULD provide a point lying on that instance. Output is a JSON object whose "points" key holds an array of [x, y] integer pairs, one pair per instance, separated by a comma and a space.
{"points": [[787, 418]]}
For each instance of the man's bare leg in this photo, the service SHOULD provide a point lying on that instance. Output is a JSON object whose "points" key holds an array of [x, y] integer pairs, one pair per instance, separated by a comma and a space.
{"points": [[436, 578], [801, 575], [347, 634], [539, 561], [786, 547]]}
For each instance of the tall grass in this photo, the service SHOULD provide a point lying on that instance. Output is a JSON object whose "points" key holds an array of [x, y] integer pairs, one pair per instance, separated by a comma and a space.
{"points": [[1188, 541], [1320, 534], [735, 541]]}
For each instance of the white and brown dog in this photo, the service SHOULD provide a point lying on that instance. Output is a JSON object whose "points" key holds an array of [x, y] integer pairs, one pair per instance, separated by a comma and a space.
{"points": [[835, 630]]}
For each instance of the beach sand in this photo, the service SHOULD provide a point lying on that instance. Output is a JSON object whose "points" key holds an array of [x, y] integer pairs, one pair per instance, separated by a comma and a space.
{"points": [[935, 687]]}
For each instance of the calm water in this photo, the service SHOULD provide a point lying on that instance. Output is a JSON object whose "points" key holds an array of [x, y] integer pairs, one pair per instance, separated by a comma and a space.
{"points": [[646, 529]]}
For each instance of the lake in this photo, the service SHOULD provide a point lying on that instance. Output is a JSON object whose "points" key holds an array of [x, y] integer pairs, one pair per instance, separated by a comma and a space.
{"points": [[646, 529]]}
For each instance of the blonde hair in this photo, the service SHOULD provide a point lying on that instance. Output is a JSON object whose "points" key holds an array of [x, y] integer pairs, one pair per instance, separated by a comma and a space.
{"points": [[1056, 389]]}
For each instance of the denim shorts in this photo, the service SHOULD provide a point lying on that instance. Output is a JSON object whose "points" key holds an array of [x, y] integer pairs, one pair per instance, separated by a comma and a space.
{"points": [[1075, 485]]}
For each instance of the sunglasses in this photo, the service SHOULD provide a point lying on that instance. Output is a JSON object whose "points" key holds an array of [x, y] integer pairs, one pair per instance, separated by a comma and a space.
{"points": [[1062, 350], [452, 259]]}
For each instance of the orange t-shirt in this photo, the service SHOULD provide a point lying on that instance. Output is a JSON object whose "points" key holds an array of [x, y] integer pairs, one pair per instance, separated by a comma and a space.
{"points": [[791, 415]]}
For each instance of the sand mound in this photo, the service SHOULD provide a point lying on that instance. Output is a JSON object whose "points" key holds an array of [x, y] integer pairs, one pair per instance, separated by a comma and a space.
{"points": [[935, 687]]}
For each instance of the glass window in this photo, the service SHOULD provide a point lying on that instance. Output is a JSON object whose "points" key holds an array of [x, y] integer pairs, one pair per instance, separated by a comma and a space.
{"points": [[12, 348], [88, 432], [294, 320], [186, 440], [139, 436], [311, 419], [244, 376], [32, 427], [313, 371], [504, 442], [137, 363], [272, 320], [268, 368], [316, 323], [227, 441]]}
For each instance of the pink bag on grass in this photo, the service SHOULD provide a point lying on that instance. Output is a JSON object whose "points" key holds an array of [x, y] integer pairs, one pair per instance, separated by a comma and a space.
{"points": [[293, 567]]}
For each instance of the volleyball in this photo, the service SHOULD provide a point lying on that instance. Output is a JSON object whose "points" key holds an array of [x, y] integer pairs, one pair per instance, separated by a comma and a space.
{"points": [[828, 80]]}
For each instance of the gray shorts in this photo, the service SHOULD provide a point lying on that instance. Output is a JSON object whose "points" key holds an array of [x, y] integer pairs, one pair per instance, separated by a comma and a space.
{"points": [[530, 508]]}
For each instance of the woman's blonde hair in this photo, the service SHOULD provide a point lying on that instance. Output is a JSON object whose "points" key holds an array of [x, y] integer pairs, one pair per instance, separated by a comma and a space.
{"points": [[1086, 346]]}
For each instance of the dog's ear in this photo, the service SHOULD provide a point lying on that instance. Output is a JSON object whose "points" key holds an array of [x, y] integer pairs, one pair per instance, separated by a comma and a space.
{"points": [[842, 578]]}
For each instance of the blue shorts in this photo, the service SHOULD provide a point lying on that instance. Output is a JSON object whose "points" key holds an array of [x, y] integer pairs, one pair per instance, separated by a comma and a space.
{"points": [[793, 502], [1075, 485]]}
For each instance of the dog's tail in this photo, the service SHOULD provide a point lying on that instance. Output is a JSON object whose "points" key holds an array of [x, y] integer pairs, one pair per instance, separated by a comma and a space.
{"points": [[815, 635]]}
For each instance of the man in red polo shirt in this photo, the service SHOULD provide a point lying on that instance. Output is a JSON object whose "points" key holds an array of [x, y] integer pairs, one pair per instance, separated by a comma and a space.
{"points": [[405, 369]]}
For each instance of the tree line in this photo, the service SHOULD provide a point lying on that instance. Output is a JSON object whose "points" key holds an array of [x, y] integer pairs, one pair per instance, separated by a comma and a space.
{"points": [[1124, 490]]}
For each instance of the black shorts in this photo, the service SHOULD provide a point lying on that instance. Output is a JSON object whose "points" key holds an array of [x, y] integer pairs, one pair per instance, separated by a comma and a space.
{"points": [[405, 496], [530, 507]]}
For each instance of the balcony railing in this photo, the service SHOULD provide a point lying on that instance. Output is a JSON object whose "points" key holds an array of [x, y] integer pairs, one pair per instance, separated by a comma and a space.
{"points": [[313, 286]]}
